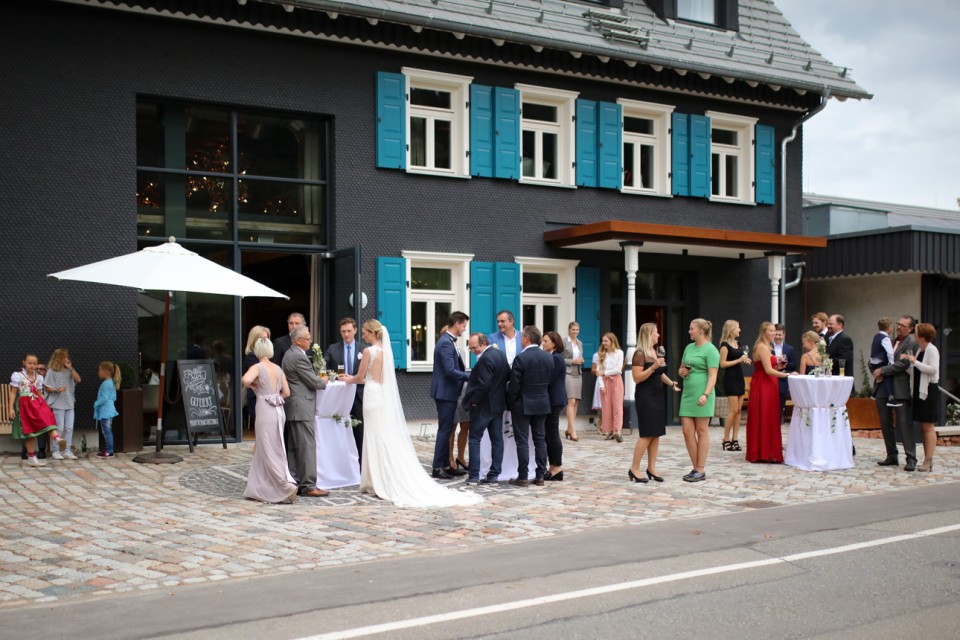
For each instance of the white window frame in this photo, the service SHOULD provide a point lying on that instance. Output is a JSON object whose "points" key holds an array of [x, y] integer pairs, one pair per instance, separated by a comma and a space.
{"points": [[691, 18], [660, 114], [458, 114], [459, 265], [744, 126], [564, 300], [565, 102]]}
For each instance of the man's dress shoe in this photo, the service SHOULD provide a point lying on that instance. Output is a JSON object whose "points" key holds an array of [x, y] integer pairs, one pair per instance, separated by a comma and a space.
{"points": [[888, 462], [316, 493], [455, 472], [441, 474], [519, 482]]}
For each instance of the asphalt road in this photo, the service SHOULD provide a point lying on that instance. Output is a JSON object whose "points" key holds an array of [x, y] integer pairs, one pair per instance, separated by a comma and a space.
{"points": [[885, 566]]}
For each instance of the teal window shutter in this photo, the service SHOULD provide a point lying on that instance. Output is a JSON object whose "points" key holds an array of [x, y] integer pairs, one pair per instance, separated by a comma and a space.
{"points": [[610, 145], [392, 304], [391, 121], [507, 288], [588, 310], [482, 308], [481, 131], [765, 140], [482, 302], [587, 143], [506, 155], [680, 152], [699, 156]]}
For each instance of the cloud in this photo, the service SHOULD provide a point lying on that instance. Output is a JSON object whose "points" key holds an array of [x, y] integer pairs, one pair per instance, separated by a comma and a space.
{"points": [[901, 146]]}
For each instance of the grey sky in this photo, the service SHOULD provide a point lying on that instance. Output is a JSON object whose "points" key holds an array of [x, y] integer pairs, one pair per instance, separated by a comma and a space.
{"points": [[903, 146]]}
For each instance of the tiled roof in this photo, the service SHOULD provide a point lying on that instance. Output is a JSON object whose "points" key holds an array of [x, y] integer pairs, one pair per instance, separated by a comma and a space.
{"points": [[766, 49]]}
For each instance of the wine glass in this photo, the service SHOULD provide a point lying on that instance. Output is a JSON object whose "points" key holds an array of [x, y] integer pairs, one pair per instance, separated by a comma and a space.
{"points": [[661, 352]]}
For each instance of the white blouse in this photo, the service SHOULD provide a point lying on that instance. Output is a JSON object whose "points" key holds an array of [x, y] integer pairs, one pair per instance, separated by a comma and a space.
{"points": [[612, 364]]}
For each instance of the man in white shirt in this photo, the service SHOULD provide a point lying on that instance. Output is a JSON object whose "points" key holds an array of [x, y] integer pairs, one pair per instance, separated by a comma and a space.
{"points": [[507, 339]]}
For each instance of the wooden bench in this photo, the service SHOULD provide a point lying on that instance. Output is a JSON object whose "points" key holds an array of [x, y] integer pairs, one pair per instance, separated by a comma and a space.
{"points": [[6, 410]]}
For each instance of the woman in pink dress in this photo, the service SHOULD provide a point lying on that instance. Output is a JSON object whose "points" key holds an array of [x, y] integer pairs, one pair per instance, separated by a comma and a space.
{"points": [[764, 443]]}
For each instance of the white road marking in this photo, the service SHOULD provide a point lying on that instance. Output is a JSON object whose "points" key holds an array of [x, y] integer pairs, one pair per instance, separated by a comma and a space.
{"points": [[450, 616]]}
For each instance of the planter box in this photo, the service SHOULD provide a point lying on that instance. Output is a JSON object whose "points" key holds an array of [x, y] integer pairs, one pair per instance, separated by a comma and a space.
{"points": [[128, 426], [863, 413]]}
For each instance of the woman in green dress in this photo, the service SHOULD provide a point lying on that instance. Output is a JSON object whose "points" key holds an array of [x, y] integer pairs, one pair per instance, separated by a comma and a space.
{"points": [[698, 368]]}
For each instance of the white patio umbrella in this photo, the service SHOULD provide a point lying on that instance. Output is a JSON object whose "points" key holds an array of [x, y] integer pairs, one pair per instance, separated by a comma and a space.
{"points": [[167, 267]]}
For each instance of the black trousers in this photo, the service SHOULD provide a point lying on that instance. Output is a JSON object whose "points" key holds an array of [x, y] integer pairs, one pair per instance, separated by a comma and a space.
{"points": [[554, 442]]}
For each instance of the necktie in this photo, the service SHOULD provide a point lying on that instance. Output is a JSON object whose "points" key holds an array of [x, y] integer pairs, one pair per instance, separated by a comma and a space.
{"points": [[348, 364]]}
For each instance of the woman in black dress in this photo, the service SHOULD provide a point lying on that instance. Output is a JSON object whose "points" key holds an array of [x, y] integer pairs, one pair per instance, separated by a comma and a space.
{"points": [[732, 359], [924, 378], [553, 344], [650, 375]]}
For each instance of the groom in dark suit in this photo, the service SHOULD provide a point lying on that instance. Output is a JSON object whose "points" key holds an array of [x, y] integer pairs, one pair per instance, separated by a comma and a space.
{"points": [[346, 354], [780, 347], [529, 399], [301, 406], [486, 399], [446, 382], [839, 344]]}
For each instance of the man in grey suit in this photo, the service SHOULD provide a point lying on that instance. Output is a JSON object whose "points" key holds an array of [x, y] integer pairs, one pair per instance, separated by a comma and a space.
{"points": [[529, 399], [347, 354], [301, 406], [902, 393]]}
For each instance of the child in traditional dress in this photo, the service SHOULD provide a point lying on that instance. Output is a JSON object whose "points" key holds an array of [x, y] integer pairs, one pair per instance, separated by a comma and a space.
{"points": [[32, 416], [104, 409]]}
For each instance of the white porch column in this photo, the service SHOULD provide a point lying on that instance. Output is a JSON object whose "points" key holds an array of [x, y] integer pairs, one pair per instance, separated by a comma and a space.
{"points": [[631, 259], [775, 272]]}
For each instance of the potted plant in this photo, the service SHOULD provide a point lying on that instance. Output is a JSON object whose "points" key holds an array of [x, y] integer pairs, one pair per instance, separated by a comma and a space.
{"points": [[861, 407]]}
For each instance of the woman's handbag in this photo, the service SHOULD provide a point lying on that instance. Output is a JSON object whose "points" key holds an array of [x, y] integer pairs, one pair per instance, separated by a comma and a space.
{"points": [[721, 407]]}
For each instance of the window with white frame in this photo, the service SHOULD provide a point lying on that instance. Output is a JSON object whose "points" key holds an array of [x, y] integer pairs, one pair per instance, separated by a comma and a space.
{"points": [[697, 11], [437, 289], [438, 132], [546, 135], [546, 299], [731, 157], [646, 147]]}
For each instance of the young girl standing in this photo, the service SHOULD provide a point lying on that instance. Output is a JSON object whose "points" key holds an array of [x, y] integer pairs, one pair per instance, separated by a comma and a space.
{"points": [[59, 383], [32, 416], [104, 410]]}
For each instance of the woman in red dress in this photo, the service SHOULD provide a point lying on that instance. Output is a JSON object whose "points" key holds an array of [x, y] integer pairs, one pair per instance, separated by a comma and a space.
{"points": [[764, 443]]}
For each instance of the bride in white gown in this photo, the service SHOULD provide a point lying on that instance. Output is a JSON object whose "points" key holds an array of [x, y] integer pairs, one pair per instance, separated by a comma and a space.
{"points": [[390, 468]]}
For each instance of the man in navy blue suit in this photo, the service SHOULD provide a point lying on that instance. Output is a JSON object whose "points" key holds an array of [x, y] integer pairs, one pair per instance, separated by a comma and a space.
{"points": [[486, 399], [781, 348], [446, 382], [529, 398]]}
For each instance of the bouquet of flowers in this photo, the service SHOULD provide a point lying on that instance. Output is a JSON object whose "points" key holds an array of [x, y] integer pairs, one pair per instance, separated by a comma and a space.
{"points": [[826, 364], [346, 421], [316, 358]]}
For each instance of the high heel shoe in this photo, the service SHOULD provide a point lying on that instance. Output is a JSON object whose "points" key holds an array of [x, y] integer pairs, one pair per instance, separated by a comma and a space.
{"points": [[568, 436], [574, 438], [618, 438], [926, 466], [726, 445], [734, 445], [654, 476], [635, 478], [554, 477], [461, 465], [609, 436]]}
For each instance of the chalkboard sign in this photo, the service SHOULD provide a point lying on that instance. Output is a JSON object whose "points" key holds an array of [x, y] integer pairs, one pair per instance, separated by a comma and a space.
{"points": [[193, 401]]}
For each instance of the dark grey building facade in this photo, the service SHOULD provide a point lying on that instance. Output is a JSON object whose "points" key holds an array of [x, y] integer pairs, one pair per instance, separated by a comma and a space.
{"points": [[252, 134]]}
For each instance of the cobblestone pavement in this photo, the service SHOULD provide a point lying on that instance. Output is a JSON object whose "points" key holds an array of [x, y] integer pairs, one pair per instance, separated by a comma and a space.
{"points": [[94, 528]]}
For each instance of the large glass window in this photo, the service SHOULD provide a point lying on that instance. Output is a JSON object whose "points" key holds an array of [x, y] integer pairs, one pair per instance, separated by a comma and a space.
{"points": [[437, 135], [547, 301], [211, 173]]}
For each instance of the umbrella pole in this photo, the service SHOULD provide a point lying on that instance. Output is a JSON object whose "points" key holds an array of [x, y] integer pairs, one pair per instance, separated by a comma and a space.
{"points": [[159, 457]]}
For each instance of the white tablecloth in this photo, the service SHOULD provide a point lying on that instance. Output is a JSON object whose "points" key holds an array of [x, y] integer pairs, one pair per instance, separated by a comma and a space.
{"points": [[337, 459], [508, 468], [819, 437]]}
